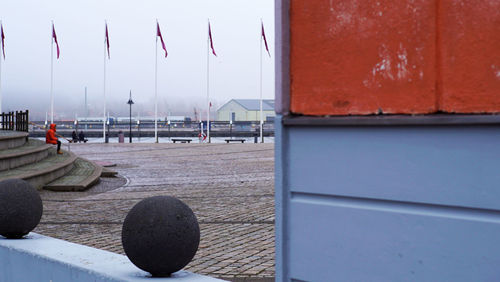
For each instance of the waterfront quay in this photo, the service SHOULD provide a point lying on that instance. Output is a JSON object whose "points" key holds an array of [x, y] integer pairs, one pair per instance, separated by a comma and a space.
{"points": [[229, 187], [174, 129]]}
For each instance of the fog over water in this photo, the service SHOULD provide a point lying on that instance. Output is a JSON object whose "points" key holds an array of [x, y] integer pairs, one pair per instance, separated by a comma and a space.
{"points": [[182, 76]]}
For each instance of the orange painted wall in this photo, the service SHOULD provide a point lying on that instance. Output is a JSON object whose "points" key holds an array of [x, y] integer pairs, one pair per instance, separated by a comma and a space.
{"points": [[470, 56], [362, 56], [358, 57]]}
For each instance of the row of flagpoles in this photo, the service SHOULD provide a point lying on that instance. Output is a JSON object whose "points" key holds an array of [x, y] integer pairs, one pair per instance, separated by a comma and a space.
{"points": [[210, 46]]}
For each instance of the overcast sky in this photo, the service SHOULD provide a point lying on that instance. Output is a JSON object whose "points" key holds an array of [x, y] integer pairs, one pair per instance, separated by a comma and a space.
{"points": [[182, 77]]}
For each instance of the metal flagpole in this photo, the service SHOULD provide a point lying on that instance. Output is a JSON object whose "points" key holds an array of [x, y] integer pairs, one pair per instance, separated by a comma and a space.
{"points": [[86, 109], [1, 81], [104, 87], [156, 84], [52, 75], [1, 72], [261, 121], [208, 85]]}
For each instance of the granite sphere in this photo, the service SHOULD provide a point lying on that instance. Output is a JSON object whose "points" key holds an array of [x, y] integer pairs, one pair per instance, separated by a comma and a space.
{"points": [[160, 235], [20, 208]]}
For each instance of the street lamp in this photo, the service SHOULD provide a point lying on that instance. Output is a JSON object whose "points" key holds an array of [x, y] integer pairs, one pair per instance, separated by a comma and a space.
{"points": [[130, 102], [139, 128], [107, 126], [168, 122], [231, 128]]}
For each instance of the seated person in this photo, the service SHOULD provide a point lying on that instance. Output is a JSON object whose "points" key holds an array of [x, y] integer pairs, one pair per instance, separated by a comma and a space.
{"points": [[51, 138], [81, 137], [74, 137]]}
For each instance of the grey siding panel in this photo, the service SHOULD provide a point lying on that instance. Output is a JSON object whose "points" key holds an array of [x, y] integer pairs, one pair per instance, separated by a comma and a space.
{"points": [[387, 203], [456, 166], [282, 197], [333, 242]]}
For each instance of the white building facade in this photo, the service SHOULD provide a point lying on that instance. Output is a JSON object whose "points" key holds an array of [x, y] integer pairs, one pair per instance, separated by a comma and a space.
{"points": [[246, 110]]}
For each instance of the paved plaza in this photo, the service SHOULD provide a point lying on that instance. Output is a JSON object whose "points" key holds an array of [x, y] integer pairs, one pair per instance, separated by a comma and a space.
{"points": [[230, 188]]}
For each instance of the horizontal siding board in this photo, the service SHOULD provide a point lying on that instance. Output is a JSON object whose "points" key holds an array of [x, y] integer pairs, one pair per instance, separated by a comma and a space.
{"points": [[331, 242], [456, 166]]}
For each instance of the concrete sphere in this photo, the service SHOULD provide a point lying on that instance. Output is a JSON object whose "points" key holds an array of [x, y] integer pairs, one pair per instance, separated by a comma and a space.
{"points": [[160, 235], [20, 208]]}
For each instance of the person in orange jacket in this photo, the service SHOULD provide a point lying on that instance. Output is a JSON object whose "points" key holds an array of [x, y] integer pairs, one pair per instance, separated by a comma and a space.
{"points": [[51, 138]]}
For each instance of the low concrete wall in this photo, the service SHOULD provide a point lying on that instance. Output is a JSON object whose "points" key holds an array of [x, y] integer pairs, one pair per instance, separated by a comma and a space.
{"points": [[41, 258]]}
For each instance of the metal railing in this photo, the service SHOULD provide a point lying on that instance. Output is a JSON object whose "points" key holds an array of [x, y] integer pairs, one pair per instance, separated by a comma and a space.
{"points": [[17, 121]]}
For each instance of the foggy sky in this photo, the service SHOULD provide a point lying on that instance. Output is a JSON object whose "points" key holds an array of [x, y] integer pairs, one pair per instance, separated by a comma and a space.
{"points": [[182, 76]]}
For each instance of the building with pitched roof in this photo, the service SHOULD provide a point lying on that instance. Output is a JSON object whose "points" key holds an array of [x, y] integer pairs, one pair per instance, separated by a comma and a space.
{"points": [[246, 110]]}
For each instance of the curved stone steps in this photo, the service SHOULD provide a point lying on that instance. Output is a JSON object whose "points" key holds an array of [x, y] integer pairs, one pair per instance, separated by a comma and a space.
{"points": [[43, 171], [12, 139], [83, 175], [31, 152]]}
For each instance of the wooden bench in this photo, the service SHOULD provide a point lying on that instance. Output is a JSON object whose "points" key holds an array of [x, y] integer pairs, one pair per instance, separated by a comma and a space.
{"points": [[181, 140], [235, 140]]}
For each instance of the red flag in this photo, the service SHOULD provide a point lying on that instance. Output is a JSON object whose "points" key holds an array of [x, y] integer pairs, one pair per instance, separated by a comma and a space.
{"points": [[55, 39], [107, 39], [158, 33], [210, 37], [2, 35], [265, 41], [210, 104]]}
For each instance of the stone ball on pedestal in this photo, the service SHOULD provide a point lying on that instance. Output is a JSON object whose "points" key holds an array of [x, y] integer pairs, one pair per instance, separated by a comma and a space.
{"points": [[20, 208], [160, 235]]}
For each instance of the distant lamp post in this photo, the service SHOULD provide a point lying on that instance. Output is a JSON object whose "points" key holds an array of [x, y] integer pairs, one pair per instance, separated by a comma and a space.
{"points": [[130, 102], [107, 128], [231, 128], [168, 122], [139, 128]]}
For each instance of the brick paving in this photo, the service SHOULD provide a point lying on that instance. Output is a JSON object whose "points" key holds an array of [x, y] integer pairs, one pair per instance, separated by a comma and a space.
{"points": [[230, 188]]}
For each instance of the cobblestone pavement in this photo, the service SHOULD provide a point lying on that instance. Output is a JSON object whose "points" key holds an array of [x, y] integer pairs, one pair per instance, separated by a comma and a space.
{"points": [[230, 188]]}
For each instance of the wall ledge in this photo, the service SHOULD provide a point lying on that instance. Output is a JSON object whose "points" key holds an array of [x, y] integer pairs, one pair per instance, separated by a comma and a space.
{"points": [[41, 258], [393, 120]]}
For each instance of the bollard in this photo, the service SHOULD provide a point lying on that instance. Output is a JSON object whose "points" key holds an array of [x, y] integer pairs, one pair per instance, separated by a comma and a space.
{"points": [[20, 208], [160, 235], [121, 137]]}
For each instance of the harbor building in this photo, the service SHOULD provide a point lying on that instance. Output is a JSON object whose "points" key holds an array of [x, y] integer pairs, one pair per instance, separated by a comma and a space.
{"points": [[246, 110]]}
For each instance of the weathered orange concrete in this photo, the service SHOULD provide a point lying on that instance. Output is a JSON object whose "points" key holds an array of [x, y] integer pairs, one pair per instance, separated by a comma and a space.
{"points": [[470, 56], [352, 57]]}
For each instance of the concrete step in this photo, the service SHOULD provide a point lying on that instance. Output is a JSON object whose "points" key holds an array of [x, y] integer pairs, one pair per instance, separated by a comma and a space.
{"points": [[106, 172], [12, 139], [31, 152], [44, 171], [83, 175]]}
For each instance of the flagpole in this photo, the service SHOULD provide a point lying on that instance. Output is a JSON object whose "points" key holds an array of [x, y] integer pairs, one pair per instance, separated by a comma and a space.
{"points": [[1, 26], [86, 109], [104, 87], [261, 120], [1, 79], [52, 75], [156, 84], [208, 86]]}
